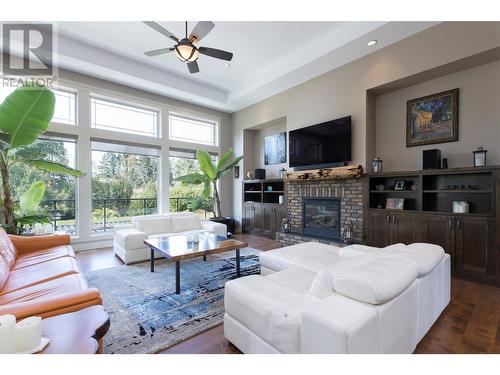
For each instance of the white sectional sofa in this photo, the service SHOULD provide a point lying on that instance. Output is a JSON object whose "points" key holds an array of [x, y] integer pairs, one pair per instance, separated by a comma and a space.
{"points": [[128, 241], [316, 298]]}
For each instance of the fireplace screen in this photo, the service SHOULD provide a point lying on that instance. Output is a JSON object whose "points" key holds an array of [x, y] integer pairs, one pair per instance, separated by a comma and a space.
{"points": [[321, 217]]}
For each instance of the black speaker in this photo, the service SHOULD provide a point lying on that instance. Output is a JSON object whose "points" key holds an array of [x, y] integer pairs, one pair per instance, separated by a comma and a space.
{"points": [[431, 159], [260, 174]]}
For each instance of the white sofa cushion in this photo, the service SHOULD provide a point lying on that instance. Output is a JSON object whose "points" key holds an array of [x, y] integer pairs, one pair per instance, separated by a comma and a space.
{"points": [[376, 282], [322, 286], [269, 309], [311, 255], [184, 223], [153, 224], [357, 250], [425, 256], [300, 279], [130, 238], [217, 228]]}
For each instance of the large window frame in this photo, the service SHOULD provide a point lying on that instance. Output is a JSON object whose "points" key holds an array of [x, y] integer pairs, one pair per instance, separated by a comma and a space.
{"points": [[212, 125], [85, 134]]}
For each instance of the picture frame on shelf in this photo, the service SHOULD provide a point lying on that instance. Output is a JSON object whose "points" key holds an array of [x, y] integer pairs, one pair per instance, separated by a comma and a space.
{"points": [[394, 204], [399, 185]]}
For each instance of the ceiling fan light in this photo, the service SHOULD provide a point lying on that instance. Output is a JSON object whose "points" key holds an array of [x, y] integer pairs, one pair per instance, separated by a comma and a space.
{"points": [[186, 53]]}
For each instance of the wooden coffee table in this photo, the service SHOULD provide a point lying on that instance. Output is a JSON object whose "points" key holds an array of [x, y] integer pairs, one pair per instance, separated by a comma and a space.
{"points": [[177, 248]]}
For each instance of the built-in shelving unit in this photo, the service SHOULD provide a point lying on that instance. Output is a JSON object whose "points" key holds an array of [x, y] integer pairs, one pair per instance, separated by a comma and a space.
{"points": [[470, 238], [262, 210], [436, 190], [263, 191]]}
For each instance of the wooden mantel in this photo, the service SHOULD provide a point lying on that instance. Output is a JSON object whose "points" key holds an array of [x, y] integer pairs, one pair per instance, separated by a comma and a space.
{"points": [[340, 173]]}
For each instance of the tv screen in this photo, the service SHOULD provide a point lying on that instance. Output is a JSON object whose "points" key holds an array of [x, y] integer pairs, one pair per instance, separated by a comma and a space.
{"points": [[322, 144]]}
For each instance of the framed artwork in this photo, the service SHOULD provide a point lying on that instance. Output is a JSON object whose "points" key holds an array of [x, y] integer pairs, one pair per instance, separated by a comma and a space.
{"points": [[432, 119], [395, 203], [275, 149], [399, 185]]}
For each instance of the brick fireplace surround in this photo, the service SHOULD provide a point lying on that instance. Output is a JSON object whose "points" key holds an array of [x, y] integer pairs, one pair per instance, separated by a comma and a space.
{"points": [[350, 193]]}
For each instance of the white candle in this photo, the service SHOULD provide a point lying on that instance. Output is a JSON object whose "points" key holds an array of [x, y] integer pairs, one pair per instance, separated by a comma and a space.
{"points": [[28, 333], [7, 334]]}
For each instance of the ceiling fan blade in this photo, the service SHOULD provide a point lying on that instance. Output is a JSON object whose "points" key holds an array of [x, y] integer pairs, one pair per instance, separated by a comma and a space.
{"points": [[193, 67], [156, 26], [201, 30], [217, 53], [160, 51]]}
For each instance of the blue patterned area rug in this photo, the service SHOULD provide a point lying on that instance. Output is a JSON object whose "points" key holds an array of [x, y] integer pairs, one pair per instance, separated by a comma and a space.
{"points": [[146, 314]]}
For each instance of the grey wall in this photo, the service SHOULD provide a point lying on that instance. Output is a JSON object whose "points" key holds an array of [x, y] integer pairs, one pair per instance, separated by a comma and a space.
{"points": [[343, 91], [479, 119]]}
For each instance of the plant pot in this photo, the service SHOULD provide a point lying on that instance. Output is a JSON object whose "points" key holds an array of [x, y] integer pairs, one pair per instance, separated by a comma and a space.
{"points": [[229, 221]]}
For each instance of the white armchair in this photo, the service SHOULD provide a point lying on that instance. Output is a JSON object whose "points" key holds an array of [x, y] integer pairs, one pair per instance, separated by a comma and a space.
{"points": [[129, 239]]}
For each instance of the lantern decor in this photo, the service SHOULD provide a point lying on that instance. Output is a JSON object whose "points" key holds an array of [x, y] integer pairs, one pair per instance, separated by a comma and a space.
{"points": [[480, 157], [347, 232], [282, 173], [285, 225], [377, 165]]}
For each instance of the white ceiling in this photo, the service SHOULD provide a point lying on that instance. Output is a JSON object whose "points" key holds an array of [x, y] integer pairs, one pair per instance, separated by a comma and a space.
{"points": [[269, 57]]}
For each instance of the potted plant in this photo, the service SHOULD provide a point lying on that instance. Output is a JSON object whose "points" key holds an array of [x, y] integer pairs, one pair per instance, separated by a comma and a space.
{"points": [[210, 174], [24, 116]]}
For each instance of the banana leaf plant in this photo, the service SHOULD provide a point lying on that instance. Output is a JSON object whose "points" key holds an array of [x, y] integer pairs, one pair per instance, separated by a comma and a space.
{"points": [[210, 174], [29, 212], [24, 116]]}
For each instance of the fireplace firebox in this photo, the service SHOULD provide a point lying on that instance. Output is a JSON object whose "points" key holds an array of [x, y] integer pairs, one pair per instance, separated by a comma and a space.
{"points": [[321, 217]]}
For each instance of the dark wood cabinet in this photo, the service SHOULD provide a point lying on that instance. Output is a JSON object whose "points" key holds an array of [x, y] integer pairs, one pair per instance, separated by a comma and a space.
{"points": [[262, 212], [438, 230], [475, 247], [252, 217], [272, 215], [378, 229], [386, 228], [472, 239]]}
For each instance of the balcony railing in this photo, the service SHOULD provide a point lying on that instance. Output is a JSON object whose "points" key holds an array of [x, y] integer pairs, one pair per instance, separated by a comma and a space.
{"points": [[109, 212]]}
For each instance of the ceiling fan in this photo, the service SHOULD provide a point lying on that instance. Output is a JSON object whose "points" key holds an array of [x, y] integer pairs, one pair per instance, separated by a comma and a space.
{"points": [[185, 48]]}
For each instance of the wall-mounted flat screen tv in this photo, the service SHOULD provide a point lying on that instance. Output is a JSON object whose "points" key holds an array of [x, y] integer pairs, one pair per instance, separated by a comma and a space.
{"points": [[321, 145]]}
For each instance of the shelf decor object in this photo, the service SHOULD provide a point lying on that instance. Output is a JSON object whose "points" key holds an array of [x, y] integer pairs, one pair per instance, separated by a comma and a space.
{"points": [[479, 157], [7, 334], [377, 165], [340, 173], [432, 119], [399, 185]]}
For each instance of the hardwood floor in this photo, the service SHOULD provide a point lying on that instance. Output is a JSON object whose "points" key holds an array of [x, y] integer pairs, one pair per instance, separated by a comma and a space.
{"points": [[470, 323]]}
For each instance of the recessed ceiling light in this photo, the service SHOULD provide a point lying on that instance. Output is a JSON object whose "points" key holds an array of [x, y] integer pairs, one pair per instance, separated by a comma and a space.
{"points": [[371, 43], [227, 65], [256, 95]]}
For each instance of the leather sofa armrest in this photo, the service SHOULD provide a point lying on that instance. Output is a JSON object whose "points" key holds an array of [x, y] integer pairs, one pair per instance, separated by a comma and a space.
{"points": [[28, 244], [217, 228], [338, 325], [57, 305]]}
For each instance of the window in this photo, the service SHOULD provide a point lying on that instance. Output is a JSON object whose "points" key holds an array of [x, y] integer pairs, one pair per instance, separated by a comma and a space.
{"points": [[124, 183], [65, 108], [123, 118], [185, 197], [195, 131], [60, 192]]}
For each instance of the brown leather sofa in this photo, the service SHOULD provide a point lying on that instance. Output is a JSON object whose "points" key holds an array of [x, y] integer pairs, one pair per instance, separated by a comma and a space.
{"points": [[40, 276]]}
